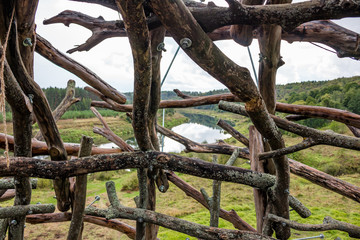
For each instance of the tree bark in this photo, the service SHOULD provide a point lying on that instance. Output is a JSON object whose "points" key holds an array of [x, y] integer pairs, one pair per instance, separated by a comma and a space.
{"points": [[76, 226]]}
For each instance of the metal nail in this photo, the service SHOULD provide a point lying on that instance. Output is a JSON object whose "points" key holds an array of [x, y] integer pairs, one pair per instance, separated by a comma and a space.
{"points": [[97, 198], [27, 42], [185, 43], [161, 47], [321, 236]]}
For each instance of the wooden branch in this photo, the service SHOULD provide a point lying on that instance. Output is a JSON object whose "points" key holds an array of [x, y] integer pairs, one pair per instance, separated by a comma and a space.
{"points": [[66, 216], [139, 37], [16, 211], [345, 42], [192, 166], [328, 224], [9, 183], [238, 136], [215, 200], [190, 191], [173, 223], [306, 143], [192, 146], [256, 146], [45, 49], [354, 130], [181, 94], [77, 226], [325, 180], [303, 211], [108, 134], [44, 118], [63, 106], [40, 148], [9, 194], [338, 115], [320, 137], [100, 28], [176, 224]]}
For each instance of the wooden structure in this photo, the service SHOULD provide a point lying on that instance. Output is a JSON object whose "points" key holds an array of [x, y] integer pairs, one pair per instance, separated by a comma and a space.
{"points": [[194, 26]]}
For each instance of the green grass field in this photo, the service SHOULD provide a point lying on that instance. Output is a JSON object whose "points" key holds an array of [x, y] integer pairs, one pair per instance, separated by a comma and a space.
{"points": [[322, 202]]}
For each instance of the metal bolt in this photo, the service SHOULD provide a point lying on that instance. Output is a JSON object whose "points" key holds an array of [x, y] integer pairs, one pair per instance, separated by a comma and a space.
{"points": [[162, 188], [284, 224], [286, 191], [31, 97], [24, 226], [140, 220], [27, 42], [16, 182], [161, 47], [185, 43], [321, 236], [30, 212], [97, 198], [13, 222]]}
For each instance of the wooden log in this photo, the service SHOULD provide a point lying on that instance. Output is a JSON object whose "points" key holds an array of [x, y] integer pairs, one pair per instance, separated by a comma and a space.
{"points": [[238, 136], [189, 228], [325, 180], [9, 194], [192, 146], [16, 211], [40, 148], [328, 224], [192, 166], [63, 106], [260, 198], [44, 118], [10, 183], [139, 37], [338, 115], [66, 216], [45, 49], [76, 226], [320, 137], [110, 135]]}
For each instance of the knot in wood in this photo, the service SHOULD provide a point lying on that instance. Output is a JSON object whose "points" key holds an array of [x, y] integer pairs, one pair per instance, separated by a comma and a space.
{"points": [[347, 4], [162, 158]]}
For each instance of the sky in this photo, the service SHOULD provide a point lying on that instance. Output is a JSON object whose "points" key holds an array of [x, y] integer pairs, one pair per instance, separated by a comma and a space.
{"points": [[112, 60]]}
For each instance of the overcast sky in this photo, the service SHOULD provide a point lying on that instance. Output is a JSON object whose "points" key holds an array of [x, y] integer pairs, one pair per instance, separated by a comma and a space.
{"points": [[112, 59]]}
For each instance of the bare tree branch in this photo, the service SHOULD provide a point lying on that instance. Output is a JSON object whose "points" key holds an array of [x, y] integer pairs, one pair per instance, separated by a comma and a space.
{"points": [[328, 224]]}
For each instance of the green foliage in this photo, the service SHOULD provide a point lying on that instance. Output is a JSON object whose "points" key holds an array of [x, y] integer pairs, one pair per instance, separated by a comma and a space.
{"points": [[130, 183]]}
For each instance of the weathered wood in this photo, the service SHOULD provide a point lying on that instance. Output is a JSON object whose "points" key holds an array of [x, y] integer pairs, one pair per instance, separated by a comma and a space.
{"points": [[66, 216], [45, 49], [9, 183], [320, 137], [139, 37], [9, 194], [328, 224], [44, 118], [189, 228], [192, 166], [17, 211], [110, 135], [63, 106], [76, 226], [192, 146], [40, 148], [325, 180], [190, 191], [338, 115], [238, 136], [255, 147]]}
